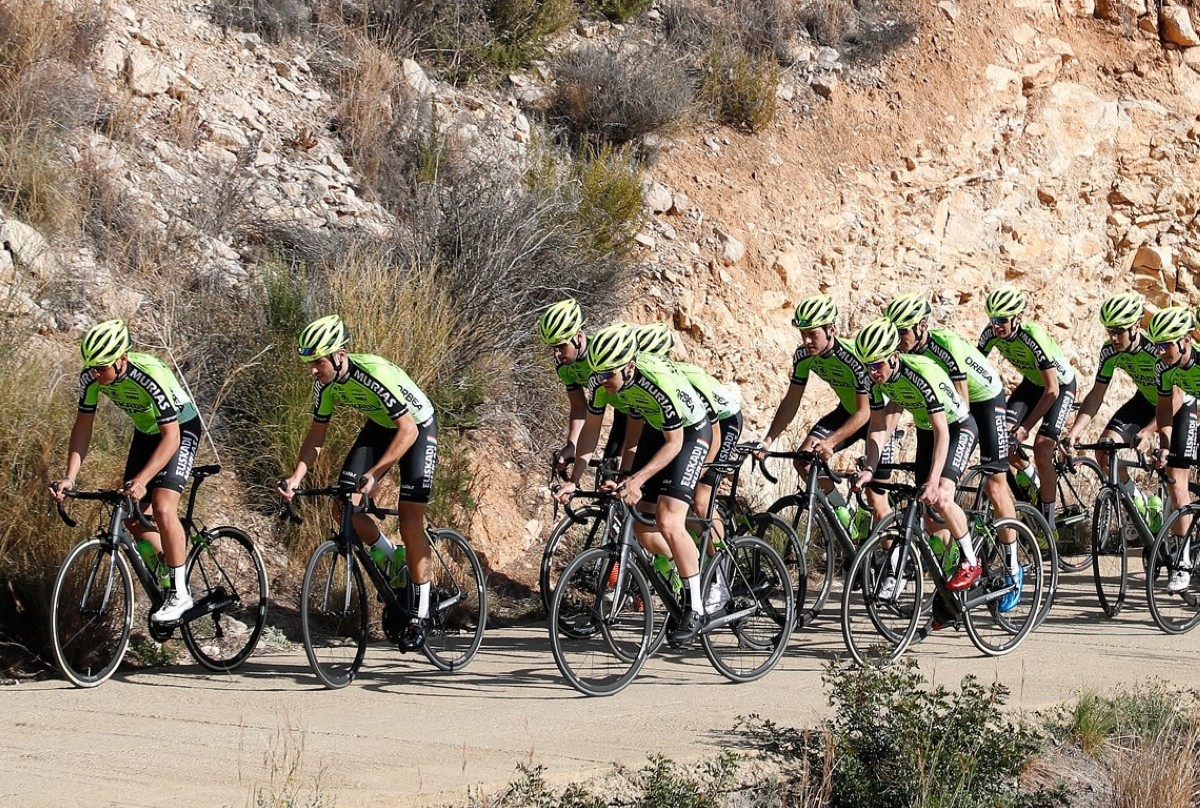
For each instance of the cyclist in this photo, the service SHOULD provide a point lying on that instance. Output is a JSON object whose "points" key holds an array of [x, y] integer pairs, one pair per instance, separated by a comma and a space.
{"points": [[669, 426], [1046, 393], [1130, 350], [722, 405], [561, 328], [400, 429], [975, 381], [833, 360], [1177, 369], [946, 436], [166, 436]]}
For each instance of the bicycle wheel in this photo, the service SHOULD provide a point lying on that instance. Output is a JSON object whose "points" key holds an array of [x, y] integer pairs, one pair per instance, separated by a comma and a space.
{"points": [[458, 601], [878, 629], [569, 538], [749, 634], [333, 615], [91, 612], [1110, 553], [969, 493], [823, 557], [600, 638], [1033, 519], [1075, 507], [225, 573], [1175, 612], [999, 624], [783, 540]]}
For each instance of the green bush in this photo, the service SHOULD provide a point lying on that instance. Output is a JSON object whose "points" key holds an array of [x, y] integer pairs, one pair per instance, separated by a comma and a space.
{"points": [[1098, 723], [740, 88], [895, 741]]}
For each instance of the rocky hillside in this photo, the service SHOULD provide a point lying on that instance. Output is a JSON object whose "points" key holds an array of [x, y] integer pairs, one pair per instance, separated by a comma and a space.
{"points": [[1051, 143]]}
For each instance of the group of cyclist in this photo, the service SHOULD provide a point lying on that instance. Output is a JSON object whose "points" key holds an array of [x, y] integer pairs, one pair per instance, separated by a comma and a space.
{"points": [[673, 419]]}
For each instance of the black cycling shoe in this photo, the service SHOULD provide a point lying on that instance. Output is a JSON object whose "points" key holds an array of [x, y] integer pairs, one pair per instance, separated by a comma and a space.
{"points": [[414, 634], [685, 634]]}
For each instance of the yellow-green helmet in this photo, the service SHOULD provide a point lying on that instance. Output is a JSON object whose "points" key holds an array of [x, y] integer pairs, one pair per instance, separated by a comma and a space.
{"points": [[104, 343], [877, 340], [560, 322], [907, 310], [815, 311], [1170, 324], [1122, 310], [1007, 301], [322, 337], [655, 338], [612, 347]]}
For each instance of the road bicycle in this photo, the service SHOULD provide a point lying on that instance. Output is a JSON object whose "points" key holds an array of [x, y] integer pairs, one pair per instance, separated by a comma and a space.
{"points": [[826, 543], [1176, 549], [602, 613], [334, 620], [93, 604], [998, 611], [1079, 480], [971, 495], [1117, 520]]}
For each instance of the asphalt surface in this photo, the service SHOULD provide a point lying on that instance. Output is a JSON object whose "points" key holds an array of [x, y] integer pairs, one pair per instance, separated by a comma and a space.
{"points": [[406, 734]]}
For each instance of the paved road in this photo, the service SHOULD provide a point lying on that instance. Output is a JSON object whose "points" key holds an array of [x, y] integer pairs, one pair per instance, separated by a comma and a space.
{"points": [[180, 736]]}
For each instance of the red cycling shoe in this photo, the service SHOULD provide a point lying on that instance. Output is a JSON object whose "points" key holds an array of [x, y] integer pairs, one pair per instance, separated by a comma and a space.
{"points": [[964, 577]]}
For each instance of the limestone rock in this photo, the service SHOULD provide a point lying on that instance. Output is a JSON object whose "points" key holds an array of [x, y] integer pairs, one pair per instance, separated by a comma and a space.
{"points": [[1177, 27], [657, 197], [1120, 10], [145, 76], [790, 269], [732, 250]]}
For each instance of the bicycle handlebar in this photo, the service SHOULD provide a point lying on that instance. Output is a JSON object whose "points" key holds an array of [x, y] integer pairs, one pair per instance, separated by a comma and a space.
{"points": [[340, 491], [109, 496]]}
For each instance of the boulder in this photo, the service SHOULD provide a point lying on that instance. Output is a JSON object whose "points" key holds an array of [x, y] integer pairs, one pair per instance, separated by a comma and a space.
{"points": [[1177, 27]]}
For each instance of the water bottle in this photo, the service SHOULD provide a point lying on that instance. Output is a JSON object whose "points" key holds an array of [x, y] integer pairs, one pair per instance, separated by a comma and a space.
{"points": [[861, 527], [1139, 502], [1154, 509], [154, 563], [399, 569], [947, 555], [666, 568], [843, 515], [1027, 479]]}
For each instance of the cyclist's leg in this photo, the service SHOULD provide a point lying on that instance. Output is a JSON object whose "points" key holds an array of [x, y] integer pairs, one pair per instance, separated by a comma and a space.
{"points": [[963, 437], [649, 443], [1020, 402], [417, 468], [1126, 424], [991, 419], [164, 492], [726, 434], [1054, 423], [373, 439], [1180, 459]]}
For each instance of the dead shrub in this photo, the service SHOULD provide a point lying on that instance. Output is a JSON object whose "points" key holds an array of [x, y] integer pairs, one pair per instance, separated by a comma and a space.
{"points": [[619, 10], [827, 20], [741, 88], [1162, 771], [273, 20], [604, 96]]}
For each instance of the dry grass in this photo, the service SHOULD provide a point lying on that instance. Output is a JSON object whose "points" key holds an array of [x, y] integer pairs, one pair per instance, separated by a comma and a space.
{"points": [[1162, 771]]}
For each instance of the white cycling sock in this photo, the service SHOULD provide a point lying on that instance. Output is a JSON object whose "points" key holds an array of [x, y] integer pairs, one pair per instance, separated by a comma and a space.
{"points": [[423, 599], [384, 544], [1014, 561], [968, 549], [693, 584], [179, 577]]}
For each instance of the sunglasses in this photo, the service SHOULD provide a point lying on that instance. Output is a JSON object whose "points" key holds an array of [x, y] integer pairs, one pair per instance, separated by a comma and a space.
{"points": [[1162, 346], [1000, 320], [904, 332], [1116, 332], [605, 375], [875, 367]]}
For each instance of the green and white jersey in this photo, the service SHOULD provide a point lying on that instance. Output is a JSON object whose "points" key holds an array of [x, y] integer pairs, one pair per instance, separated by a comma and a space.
{"points": [[147, 392], [923, 388], [962, 361], [375, 387], [657, 393], [1140, 362], [1031, 350], [574, 375], [1184, 376], [718, 399], [838, 367]]}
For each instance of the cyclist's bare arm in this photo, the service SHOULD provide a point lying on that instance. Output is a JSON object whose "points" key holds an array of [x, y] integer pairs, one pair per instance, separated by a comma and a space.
{"points": [[1087, 410], [784, 413], [1164, 414], [877, 435], [589, 436], [1049, 396], [633, 433], [578, 402], [77, 449], [309, 450]]}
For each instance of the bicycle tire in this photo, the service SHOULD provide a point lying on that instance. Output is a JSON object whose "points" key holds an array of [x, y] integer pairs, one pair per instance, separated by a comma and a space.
{"points": [[225, 571], [1074, 509], [776, 532], [759, 582], [333, 615], [822, 554], [1033, 519], [1174, 612], [569, 538], [458, 601], [1110, 553], [877, 630], [992, 631], [91, 613], [586, 658]]}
